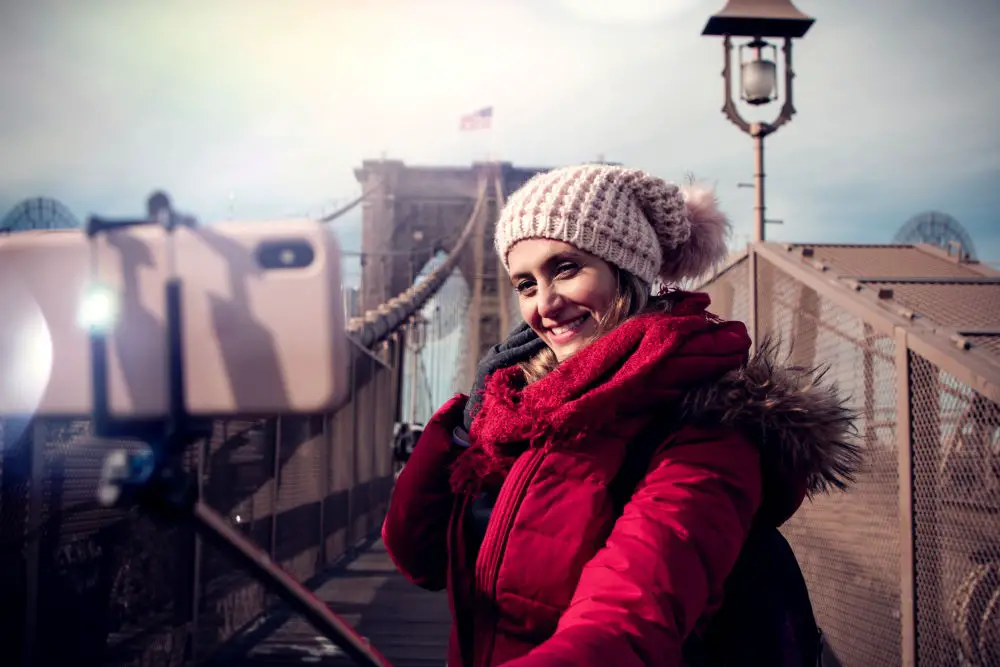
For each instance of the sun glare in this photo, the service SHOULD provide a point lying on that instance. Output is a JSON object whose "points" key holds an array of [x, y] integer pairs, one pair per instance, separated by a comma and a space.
{"points": [[627, 11], [25, 353]]}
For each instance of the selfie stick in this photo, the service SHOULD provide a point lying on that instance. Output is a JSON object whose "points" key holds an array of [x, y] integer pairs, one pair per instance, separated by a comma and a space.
{"points": [[155, 479]]}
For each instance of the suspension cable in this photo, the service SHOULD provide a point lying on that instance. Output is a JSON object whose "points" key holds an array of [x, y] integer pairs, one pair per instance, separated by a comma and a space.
{"points": [[350, 205], [379, 322]]}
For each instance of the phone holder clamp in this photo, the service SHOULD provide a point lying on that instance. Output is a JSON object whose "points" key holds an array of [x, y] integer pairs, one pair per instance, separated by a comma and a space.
{"points": [[154, 478]]}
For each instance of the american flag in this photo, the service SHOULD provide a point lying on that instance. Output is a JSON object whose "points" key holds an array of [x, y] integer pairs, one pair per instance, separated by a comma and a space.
{"points": [[477, 120]]}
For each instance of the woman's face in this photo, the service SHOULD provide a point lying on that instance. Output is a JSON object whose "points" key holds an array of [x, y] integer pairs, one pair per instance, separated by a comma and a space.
{"points": [[563, 292]]}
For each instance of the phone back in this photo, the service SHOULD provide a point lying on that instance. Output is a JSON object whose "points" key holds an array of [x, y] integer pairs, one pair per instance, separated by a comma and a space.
{"points": [[262, 318]]}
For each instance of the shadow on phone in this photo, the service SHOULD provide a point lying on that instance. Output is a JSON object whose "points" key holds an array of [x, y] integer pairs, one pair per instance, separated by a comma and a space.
{"points": [[137, 327], [253, 382], [260, 382]]}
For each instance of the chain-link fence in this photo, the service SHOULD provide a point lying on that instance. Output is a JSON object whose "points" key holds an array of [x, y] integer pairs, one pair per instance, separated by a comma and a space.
{"points": [[956, 470], [83, 584], [911, 553], [847, 544], [730, 291]]}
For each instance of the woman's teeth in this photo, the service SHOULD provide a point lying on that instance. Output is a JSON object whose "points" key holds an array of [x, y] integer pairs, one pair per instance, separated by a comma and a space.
{"points": [[566, 328]]}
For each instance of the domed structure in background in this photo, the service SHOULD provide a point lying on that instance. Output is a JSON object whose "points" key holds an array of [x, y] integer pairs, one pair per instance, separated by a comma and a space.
{"points": [[936, 228], [38, 213]]}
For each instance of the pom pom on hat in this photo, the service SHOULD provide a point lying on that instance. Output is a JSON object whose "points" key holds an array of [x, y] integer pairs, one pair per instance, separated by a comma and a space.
{"points": [[705, 247], [627, 217]]}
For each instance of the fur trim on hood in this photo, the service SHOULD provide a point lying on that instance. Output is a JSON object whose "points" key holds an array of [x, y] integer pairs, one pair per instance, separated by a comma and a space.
{"points": [[803, 427]]}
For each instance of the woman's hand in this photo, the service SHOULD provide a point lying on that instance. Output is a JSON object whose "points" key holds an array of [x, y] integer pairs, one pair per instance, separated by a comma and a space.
{"points": [[520, 345]]}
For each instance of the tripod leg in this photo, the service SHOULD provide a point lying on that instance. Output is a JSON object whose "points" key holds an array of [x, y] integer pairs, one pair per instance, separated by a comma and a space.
{"points": [[214, 529]]}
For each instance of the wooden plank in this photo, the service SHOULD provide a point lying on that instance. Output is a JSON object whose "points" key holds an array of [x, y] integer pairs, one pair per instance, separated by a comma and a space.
{"points": [[409, 625]]}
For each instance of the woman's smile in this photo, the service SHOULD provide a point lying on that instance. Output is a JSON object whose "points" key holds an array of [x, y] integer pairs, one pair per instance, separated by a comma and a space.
{"points": [[564, 333], [563, 293]]}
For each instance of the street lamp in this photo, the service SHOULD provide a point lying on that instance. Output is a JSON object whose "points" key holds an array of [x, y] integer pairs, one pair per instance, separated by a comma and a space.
{"points": [[758, 19], [768, 220]]}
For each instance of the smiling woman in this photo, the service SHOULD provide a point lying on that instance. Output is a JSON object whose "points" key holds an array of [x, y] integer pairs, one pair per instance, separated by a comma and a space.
{"points": [[583, 246], [586, 503], [569, 298]]}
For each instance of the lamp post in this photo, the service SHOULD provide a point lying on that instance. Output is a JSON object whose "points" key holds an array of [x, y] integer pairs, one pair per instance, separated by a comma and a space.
{"points": [[758, 19]]}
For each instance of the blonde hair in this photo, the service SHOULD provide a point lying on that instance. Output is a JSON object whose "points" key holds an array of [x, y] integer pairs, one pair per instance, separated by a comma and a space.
{"points": [[632, 297]]}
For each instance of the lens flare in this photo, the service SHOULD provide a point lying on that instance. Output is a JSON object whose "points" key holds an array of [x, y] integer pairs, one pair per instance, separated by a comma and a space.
{"points": [[98, 309], [26, 354]]}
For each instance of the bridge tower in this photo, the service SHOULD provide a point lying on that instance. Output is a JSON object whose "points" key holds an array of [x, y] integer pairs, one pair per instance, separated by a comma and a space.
{"points": [[415, 212]]}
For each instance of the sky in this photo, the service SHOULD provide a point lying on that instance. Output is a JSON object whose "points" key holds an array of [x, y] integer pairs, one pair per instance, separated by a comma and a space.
{"points": [[260, 109], [263, 109]]}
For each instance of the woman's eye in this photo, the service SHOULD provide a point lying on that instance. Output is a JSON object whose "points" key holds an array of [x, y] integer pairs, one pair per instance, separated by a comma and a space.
{"points": [[523, 286], [567, 268]]}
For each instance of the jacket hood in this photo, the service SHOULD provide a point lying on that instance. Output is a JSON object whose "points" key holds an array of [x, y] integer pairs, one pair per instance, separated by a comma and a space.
{"points": [[686, 363], [803, 427]]}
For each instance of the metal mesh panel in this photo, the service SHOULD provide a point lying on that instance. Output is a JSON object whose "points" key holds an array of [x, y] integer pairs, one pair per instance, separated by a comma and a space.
{"points": [[238, 482], [383, 437], [106, 586], [15, 472], [949, 304], [901, 261], [956, 462], [341, 466], [299, 496], [847, 543], [108, 580], [367, 400], [730, 292]]}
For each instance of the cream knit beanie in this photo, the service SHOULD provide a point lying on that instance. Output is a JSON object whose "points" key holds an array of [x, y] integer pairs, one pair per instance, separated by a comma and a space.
{"points": [[628, 218]]}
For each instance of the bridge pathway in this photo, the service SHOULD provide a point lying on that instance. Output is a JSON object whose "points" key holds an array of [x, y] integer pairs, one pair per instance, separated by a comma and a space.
{"points": [[408, 625]]}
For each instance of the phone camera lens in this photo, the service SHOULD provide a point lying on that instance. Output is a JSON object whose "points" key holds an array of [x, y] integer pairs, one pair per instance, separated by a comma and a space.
{"points": [[285, 254]]}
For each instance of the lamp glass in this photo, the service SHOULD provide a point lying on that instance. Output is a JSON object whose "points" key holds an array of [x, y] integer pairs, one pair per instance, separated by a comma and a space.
{"points": [[759, 79]]}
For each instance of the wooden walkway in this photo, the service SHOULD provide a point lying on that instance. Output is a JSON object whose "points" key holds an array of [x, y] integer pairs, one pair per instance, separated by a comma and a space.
{"points": [[408, 625]]}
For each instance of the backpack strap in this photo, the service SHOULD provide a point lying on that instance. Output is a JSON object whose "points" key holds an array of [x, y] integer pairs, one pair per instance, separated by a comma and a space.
{"points": [[638, 456]]}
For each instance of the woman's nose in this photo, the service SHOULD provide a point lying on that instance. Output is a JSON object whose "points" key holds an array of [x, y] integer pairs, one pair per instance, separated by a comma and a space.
{"points": [[550, 302]]}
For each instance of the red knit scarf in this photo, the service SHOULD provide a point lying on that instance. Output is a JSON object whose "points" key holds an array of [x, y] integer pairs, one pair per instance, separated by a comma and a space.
{"points": [[611, 388]]}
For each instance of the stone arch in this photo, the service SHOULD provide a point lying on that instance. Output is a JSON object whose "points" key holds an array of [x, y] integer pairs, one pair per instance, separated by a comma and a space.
{"points": [[416, 212]]}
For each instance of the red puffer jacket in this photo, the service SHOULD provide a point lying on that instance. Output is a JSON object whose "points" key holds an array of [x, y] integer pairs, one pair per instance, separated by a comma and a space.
{"points": [[563, 576]]}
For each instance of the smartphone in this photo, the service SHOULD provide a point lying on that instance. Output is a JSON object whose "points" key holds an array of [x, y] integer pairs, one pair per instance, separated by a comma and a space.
{"points": [[262, 319]]}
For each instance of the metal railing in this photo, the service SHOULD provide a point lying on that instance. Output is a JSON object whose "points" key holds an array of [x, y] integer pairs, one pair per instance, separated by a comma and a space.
{"points": [[904, 568], [84, 584], [106, 586]]}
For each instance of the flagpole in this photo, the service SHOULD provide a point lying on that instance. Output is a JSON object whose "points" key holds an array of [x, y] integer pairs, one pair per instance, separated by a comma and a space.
{"points": [[488, 139], [494, 148]]}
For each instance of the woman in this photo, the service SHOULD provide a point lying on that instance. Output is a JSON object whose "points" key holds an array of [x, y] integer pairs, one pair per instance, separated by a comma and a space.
{"points": [[548, 557]]}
